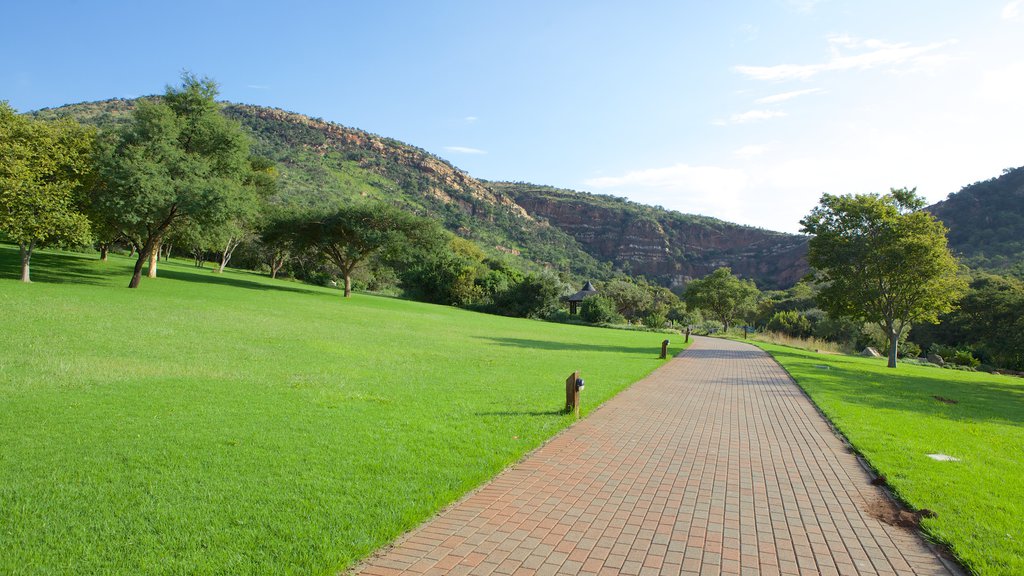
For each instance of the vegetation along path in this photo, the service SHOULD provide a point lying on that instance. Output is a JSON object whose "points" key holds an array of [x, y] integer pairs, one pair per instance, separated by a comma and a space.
{"points": [[716, 462]]}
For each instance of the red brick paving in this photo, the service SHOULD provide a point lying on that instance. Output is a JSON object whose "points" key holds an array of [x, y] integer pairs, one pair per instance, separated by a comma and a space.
{"points": [[714, 464]]}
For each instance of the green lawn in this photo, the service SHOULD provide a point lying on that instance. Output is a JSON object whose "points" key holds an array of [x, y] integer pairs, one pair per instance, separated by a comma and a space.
{"points": [[230, 424], [894, 417]]}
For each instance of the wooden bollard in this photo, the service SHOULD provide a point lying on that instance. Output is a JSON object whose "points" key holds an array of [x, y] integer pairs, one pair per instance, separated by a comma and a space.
{"points": [[687, 334], [573, 385], [664, 348]]}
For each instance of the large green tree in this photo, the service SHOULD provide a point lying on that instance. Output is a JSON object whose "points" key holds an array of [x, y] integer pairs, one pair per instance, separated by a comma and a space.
{"points": [[882, 259], [179, 159], [43, 166], [349, 236], [723, 296]]}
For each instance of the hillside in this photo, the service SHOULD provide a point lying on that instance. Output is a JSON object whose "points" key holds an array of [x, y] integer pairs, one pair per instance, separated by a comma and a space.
{"points": [[586, 235], [986, 221], [660, 244]]}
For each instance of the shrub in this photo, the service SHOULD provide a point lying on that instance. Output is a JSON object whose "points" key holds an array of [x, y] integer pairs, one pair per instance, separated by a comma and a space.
{"points": [[965, 358], [909, 350], [599, 309], [790, 323]]}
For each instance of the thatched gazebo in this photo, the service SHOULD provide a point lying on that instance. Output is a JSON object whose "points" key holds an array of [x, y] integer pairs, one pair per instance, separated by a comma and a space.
{"points": [[575, 299]]}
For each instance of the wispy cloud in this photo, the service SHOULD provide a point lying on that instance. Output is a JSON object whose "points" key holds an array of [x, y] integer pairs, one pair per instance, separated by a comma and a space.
{"points": [[464, 150], [470, 118], [751, 150], [1012, 10], [776, 98], [709, 190], [753, 116], [869, 53]]}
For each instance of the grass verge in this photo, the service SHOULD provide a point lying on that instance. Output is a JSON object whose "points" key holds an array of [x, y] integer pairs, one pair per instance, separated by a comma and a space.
{"points": [[229, 424], [896, 417]]}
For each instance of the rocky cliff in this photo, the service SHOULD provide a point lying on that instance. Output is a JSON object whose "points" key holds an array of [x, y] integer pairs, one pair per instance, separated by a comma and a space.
{"points": [[663, 245]]}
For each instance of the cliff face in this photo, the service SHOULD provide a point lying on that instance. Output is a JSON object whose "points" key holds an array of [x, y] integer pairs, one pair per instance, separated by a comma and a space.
{"points": [[666, 246]]}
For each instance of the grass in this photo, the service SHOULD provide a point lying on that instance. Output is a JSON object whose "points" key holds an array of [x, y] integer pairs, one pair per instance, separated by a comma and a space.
{"points": [[230, 424], [895, 417]]}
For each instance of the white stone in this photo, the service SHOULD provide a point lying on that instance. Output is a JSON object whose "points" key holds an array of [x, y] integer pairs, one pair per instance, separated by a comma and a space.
{"points": [[943, 457]]}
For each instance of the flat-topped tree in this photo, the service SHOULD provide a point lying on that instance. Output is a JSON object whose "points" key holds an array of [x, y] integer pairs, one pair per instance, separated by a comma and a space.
{"points": [[178, 159], [43, 166], [883, 260], [723, 296], [354, 233]]}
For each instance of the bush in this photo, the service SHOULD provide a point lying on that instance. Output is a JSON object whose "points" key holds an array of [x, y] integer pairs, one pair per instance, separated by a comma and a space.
{"points": [[909, 350], [965, 358], [790, 323], [708, 327], [599, 309]]}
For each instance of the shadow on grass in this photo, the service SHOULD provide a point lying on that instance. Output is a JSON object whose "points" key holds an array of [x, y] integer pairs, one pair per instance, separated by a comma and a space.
{"points": [[654, 349], [523, 413], [909, 389], [56, 268], [207, 276]]}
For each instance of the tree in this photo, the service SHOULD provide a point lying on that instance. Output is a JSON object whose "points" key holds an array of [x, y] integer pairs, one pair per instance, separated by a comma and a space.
{"points": [[246, 208], [883, 260], [723, 296], [349, 236], [178, 159], [43, 166]]}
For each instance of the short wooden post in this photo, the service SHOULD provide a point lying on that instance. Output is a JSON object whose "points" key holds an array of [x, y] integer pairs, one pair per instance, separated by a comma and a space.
{"points": [[664, 348], [572, 393], [687, 334], [744, 332]]}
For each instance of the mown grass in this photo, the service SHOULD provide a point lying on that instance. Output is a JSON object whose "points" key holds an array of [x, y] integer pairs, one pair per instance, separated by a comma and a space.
{"points": [[230, 424], [895, 417]]}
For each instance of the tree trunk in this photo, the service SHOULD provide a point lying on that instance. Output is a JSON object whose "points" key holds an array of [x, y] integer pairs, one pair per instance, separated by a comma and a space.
{"points": [[348, 284], [104, 247], [26, 259], [144, 254], [894, 341], [275, 266], [131, 248], [229, 249], [154, 257], [167, 253]]}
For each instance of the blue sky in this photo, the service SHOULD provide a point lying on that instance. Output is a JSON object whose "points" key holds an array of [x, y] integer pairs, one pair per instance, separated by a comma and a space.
{"points": [[746, 111]]}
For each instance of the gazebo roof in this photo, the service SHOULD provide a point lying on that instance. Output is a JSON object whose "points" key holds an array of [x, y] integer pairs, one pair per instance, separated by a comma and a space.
{"points": [[588, 290]]}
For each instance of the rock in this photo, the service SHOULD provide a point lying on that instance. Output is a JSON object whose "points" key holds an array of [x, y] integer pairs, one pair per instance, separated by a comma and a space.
{"points": [[870, 352], [936, 359]]}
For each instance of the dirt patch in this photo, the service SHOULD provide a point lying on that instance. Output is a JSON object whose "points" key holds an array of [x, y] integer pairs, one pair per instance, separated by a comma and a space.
{"points": [[946, 400], [885, 510]]}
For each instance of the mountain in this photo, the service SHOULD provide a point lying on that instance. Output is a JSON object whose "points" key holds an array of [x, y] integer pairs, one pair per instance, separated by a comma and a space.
{"points": [[660, 244], [986, 221], [589, 236]]}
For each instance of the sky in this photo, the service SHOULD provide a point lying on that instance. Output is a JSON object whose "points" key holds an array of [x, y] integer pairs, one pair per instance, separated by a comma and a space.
{"points": [[745, 111]]}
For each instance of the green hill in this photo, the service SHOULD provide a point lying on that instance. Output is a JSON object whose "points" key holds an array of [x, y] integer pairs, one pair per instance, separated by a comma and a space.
{"points": [[986, 221], [586, 235]]}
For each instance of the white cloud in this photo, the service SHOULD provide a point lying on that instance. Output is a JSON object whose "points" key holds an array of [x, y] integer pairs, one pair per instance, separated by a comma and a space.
{"points": [[755, 115], [1012, 10], [776, 98], [871, 54], [752, 150], [470, 118], [464, 150]]}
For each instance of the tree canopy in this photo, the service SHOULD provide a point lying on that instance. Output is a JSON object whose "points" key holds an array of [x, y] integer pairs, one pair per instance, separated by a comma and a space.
{"points": [[43, 166], [178, 159], [881, 259], [353, 233], [723, 296]]}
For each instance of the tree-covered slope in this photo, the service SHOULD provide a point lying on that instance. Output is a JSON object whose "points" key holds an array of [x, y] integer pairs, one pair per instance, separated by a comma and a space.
{"points": [[986, 221], [322, 163]]}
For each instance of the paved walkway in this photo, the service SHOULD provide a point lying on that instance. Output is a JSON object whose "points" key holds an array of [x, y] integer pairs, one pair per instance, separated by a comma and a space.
{"points": [[715, 463]]}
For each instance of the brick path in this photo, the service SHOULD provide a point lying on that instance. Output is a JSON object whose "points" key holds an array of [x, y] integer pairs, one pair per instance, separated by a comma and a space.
{"points": [[715, 463]]}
